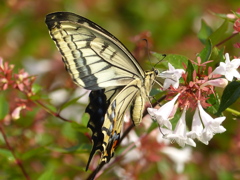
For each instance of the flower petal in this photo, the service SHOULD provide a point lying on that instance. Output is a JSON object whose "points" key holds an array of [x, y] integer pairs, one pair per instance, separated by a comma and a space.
{"points": [[162, 114], [229, 68]]}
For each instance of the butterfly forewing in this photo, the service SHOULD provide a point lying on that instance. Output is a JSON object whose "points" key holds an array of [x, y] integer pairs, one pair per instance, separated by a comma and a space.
{"points": [[98, 61], [90, 52]]}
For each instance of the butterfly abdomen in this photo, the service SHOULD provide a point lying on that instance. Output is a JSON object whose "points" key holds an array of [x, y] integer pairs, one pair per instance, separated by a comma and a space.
{"points": [[137, 109]]}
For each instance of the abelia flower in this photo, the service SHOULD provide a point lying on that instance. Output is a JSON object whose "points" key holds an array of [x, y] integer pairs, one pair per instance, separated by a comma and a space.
{"points": [[171, 76], [220, 82], [229, 68], [178, 156], [197, 127], [211, 126], [193, 95], [162, 114], [16, 112], [204, 127], [236, 25], [180, 132]]}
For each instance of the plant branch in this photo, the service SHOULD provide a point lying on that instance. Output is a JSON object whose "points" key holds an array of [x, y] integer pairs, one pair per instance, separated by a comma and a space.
{"points": [[18, 161], [50, 111], [225, 40]]}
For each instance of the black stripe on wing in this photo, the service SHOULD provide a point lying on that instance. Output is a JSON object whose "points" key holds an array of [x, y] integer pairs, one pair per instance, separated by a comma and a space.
{"points": [[112, 125], [96, 108], [53, 20]]}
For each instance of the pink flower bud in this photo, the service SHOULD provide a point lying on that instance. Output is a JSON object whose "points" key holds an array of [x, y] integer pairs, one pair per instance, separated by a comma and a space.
{"points": [[221, 82]]}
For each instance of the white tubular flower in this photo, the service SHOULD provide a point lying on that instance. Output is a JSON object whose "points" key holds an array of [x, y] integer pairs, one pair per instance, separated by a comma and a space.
{"points": [[171, 76], [212, 126], [180, 133], [16, 112], [178, 156], [229, 68], [197, 128], [162, 114]]}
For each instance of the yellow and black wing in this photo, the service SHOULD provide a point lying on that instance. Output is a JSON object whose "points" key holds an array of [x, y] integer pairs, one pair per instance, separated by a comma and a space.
{"points": [[98, 61], [93, 57]]}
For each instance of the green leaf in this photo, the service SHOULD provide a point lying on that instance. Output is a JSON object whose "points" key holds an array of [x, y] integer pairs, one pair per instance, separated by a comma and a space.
{"points": [[79, 168], [153, 126], [85, 119], [33, 153], [51, 107], [220, 34], [206, 52], [73, 101], [236, 14], [7, 154], [214, 100], [155, 91], [79, 127], [225, 16], [36, 88], [4, 106], [49, 174], [189, 71], [159, 56], [204, 32], [175, 59], [79, 148], [68, 131], [218, 56], [230, 94]]}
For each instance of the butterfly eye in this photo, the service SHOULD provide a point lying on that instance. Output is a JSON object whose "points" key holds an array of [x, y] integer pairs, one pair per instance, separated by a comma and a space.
{"points": [[156, 71]]}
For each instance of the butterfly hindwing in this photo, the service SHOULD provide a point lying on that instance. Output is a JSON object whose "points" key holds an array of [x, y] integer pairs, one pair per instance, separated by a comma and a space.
{"points": [[112, 125], [99, 101]]}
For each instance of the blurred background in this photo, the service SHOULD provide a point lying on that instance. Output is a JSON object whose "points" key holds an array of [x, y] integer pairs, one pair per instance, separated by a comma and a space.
{"points": [[171, 26]]}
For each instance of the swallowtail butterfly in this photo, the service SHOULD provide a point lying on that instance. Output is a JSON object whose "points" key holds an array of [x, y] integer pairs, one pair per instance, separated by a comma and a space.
{"points": [[98, 61]]}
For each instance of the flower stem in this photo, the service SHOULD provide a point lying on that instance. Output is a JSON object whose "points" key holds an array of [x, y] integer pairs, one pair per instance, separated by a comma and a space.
{"points": [[234, 34], [237, 113], [18, 161], [50, 111]]}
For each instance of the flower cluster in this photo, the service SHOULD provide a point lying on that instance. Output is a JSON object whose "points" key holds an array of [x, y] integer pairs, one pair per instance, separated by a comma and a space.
{"points": [[193, 95], [20, 81]]}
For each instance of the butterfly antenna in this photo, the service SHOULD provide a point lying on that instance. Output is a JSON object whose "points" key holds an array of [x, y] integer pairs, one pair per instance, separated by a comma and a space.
{"points": [[147, 50], [148, 54], [164, 56]]}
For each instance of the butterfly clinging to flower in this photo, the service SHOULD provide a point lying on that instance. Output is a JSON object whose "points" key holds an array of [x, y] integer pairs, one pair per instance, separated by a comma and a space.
{"points": [[98, 61]]}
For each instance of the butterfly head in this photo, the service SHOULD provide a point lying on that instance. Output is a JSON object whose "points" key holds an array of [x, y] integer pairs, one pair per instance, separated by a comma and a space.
{"points": [[156, 71]]}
